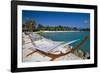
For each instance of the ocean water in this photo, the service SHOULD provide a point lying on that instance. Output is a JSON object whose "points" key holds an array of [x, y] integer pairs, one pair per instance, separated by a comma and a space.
{"points": [[70, 36]]}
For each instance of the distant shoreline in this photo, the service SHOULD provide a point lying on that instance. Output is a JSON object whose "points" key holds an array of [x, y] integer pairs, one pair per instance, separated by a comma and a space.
{"points": [[65, 31], [61, 31]]}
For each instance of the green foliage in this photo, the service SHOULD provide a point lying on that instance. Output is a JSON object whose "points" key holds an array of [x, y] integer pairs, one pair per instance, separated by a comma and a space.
{"points": [[60, 28], [30, 25]]}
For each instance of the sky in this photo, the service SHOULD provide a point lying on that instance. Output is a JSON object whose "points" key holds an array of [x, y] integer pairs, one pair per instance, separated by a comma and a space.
{"points": [[48, 18]]}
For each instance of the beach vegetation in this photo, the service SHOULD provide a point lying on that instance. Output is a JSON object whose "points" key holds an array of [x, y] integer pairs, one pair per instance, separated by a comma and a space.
{"points": [[31, 25]]}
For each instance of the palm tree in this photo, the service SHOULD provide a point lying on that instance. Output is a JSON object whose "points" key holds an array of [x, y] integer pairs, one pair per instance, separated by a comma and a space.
{"points": [[30, 25]]}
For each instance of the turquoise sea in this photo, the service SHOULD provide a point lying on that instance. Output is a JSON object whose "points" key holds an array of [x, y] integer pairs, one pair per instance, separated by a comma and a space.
{"points": [[69, 36]]}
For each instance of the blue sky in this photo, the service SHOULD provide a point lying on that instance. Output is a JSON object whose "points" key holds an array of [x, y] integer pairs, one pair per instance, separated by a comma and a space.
{"points": [[80, 20]]}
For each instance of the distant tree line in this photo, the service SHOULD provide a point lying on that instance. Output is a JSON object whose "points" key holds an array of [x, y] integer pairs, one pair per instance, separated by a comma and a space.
{"points": [[31, 25], [60, 28]]}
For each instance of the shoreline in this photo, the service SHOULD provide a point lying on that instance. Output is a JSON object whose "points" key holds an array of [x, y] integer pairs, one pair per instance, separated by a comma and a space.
{"points": [[58, 31], [61, 31]]}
